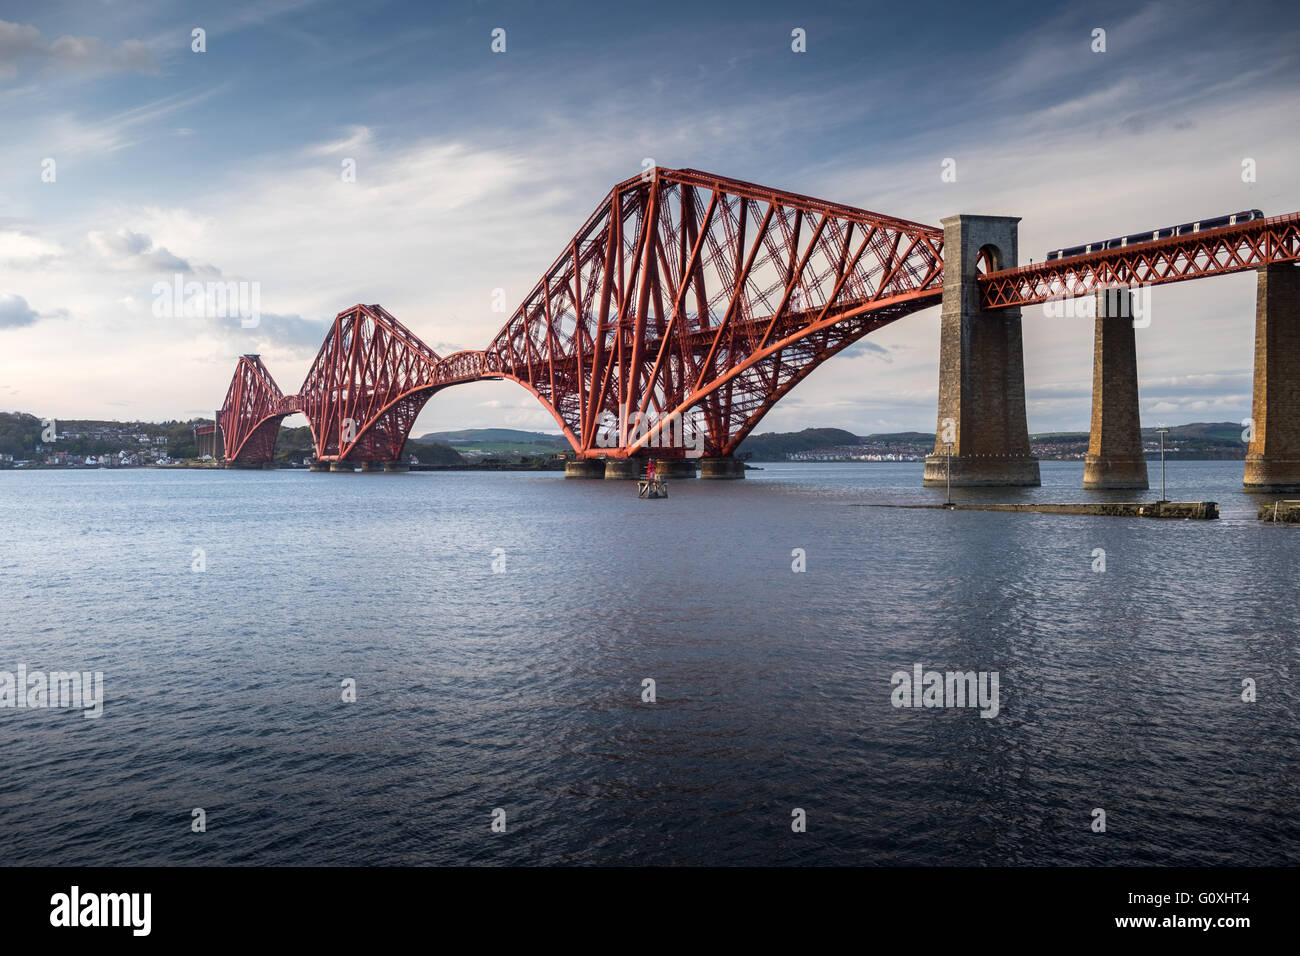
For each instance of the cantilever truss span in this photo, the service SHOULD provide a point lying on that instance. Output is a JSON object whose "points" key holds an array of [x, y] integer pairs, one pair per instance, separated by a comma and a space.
{"points": [[687, 303], [688, 295], [361, 396]]}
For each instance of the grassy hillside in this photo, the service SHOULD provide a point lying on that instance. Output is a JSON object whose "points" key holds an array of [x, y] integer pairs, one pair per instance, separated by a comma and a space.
{"points": [[775, 446], [493, 435], [506, 443], [1198, 440]]}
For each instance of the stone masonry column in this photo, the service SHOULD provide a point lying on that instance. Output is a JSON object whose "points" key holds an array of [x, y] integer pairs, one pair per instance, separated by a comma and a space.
{"points": [[981, 365], [1273, 459], [1115, 458]]}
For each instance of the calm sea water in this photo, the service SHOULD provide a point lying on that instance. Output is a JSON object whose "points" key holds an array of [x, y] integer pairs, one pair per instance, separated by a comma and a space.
{"points": [[522, 690]]}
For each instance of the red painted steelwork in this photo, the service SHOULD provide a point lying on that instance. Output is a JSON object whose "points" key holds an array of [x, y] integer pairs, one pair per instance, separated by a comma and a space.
{"points": [[684, 296], [692, 295], [251, 414], [1213, 252]]}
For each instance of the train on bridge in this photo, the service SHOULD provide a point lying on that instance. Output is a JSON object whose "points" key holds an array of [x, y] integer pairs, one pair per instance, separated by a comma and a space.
{"points": [[1151, 235]]}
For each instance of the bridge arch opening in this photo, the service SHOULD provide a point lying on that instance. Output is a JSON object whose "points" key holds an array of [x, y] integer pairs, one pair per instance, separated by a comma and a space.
{"points": [[989, 259], [503, 402]]}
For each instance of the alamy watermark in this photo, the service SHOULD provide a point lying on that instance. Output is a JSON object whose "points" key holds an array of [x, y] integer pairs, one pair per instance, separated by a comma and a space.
{"points": [[659, 431], [37, 689], [76, 908], [209, 300], [1119, 304], [922, 688]]}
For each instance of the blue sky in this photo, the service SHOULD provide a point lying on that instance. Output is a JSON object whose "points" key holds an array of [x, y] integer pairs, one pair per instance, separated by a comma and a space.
{"points": [[474, 168]]}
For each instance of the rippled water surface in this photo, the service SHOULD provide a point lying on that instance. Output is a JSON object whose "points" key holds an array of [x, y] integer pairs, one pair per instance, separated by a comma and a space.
{"points": [[522, 690]]}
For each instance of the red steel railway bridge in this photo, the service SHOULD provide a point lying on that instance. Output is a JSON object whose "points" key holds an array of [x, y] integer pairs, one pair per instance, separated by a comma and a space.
{"points": [[689, 304]]}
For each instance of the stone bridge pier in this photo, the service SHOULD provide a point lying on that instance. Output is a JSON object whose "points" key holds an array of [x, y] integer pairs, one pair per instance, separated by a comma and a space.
{"points": [[1115, 458], [1273, 459], [981, 365]]}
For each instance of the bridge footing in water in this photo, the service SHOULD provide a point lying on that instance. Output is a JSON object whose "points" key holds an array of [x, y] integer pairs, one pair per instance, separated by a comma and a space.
{"points": [[675, 467], [624, 469], [722, 468], [1273, 459], [584, 468]]}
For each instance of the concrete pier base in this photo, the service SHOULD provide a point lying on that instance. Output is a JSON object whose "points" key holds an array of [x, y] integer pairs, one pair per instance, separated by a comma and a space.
{"points": [[1115, 458], [397, 466], [319, 466], [1108, 473], [722, 468], [675, 467], [584, 468], [1273, 459], [1272, 476], [981, 366], [976, 471], [624, 469], [348, 466]]}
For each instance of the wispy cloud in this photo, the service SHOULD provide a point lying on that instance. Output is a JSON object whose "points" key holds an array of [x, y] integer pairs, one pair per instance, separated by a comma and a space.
{"points": [[132, 250], [20, 44]]}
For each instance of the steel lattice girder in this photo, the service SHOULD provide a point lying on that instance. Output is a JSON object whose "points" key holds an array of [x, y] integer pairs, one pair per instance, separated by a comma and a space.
{"points": [[370, 379], [361, 396], [1213, 252], [692, 294], [368, 383], [683, 294], [250, 416]]}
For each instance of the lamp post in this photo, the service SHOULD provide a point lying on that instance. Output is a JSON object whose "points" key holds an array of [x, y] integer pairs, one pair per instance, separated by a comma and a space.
{"points": [[1162, 432], [947, 450]]}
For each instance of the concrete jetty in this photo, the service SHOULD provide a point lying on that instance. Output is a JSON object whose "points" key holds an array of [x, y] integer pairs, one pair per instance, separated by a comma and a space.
{"points": [[1287, 512], [1199, 510]]}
